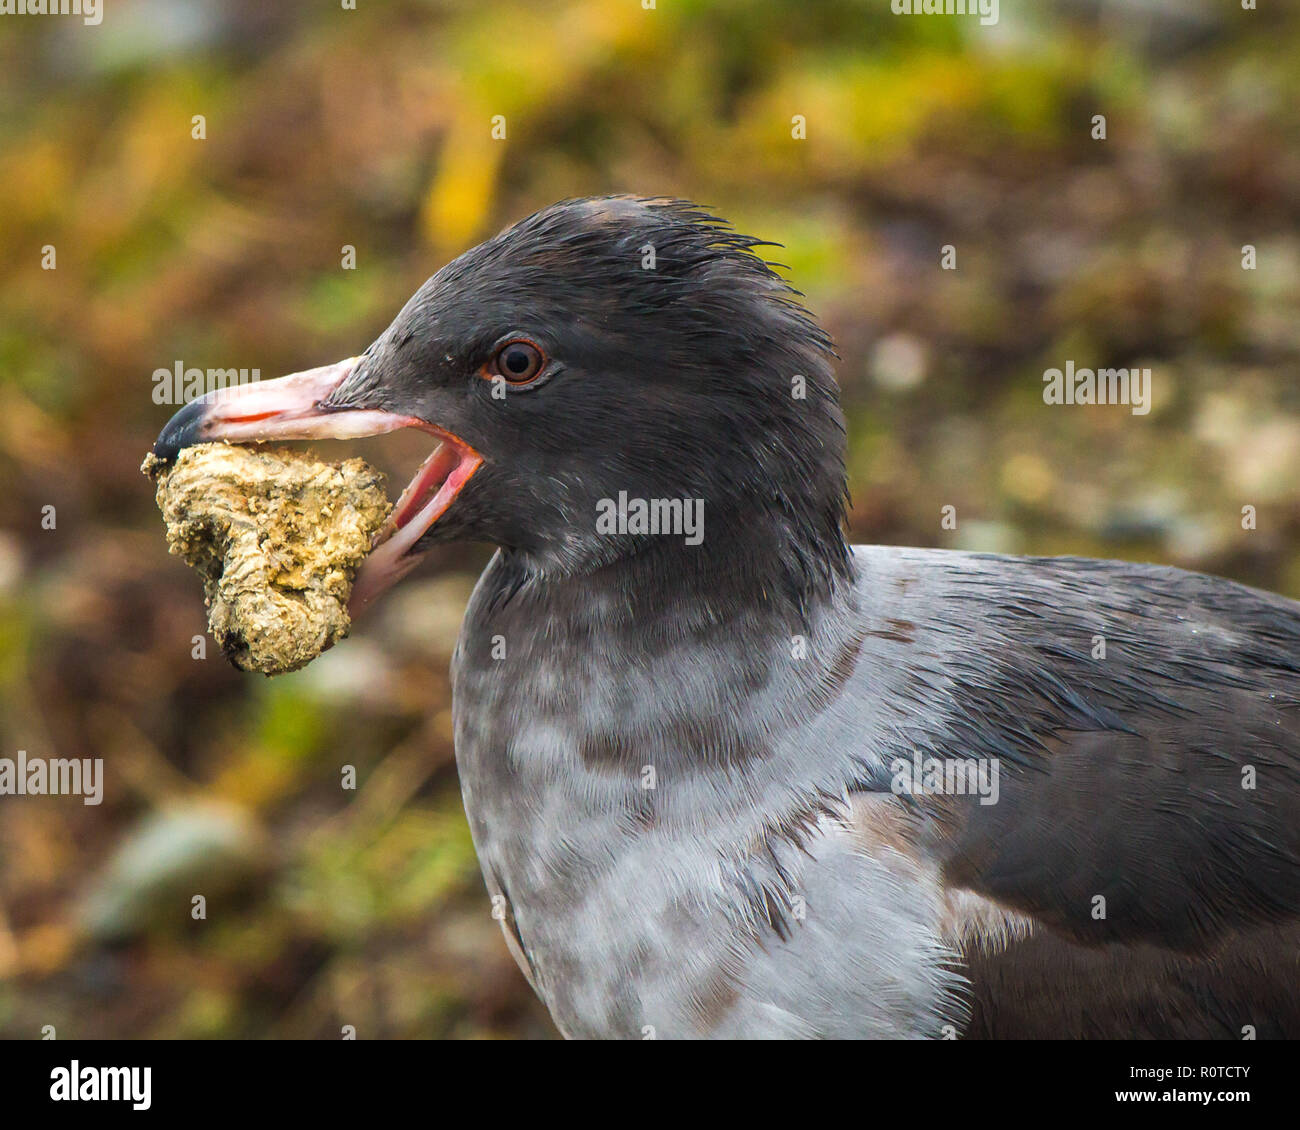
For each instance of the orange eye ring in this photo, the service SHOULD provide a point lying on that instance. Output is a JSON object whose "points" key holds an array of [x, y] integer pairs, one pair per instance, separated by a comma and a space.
{"points": [[519, 361]]}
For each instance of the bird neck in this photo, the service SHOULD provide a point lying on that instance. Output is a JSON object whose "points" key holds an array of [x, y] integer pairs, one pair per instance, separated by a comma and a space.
{"points": [[677, 660], [754, 568]]}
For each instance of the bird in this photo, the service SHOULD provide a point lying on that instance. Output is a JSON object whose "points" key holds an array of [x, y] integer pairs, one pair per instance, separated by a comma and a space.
{"points": [[729, 776]]}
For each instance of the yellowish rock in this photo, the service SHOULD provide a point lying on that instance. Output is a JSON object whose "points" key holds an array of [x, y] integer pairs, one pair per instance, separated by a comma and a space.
{"points": [[277, 536]]}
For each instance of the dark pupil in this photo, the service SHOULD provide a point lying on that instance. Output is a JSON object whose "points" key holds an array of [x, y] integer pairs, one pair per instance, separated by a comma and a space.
{"points": [[518, 361]]}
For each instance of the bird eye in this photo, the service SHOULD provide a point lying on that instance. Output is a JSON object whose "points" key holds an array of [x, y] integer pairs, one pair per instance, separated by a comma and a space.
{"points": [[519, 361]]}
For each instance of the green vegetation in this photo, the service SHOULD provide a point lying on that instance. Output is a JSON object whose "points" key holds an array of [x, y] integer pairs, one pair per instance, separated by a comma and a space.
{"points": [[328, 128]]}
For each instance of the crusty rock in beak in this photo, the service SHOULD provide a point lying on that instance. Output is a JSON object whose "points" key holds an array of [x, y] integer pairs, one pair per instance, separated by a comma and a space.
{"points": [[277, 537]]}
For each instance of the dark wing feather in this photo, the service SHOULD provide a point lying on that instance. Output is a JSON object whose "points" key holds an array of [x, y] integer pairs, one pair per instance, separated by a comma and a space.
{"points": [[1163, 779], [1164, 776]]}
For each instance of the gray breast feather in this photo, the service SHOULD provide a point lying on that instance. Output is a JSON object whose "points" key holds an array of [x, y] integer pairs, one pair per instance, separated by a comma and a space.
{"points": [[669, 807]]}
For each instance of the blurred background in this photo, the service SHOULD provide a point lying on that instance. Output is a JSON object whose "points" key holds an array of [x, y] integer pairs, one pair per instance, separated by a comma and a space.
{"points": [[329, 128]]}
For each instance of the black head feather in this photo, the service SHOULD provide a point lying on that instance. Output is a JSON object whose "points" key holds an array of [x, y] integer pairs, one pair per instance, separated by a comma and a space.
{"points": [[680, 365]]}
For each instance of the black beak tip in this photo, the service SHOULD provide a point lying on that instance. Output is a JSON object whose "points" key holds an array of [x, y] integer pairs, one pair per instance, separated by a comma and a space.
{"points": [[181, 431]]}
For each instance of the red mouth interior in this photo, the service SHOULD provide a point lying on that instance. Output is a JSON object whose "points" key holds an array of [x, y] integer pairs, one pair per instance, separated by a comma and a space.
{"points": [[433, 474], [430, 492], [437, 482]]}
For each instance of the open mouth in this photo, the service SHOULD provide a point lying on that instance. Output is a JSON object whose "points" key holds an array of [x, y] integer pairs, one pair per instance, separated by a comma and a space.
{"points": [[298, 407], [435, 486]]}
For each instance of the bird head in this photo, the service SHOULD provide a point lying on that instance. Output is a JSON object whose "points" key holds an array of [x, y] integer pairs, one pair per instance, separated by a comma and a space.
{"points": [[601, 347]]}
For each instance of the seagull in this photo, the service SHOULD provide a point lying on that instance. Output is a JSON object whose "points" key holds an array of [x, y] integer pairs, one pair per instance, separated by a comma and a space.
{"points": [[729, 776]]}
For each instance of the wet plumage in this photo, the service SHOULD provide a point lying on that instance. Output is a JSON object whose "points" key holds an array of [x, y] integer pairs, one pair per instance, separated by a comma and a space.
{"points": [[679, 762]]}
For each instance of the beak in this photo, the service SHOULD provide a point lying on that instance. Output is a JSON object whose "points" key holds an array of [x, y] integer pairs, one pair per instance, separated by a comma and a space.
{"points": [[291, 407], [313, 405]]}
